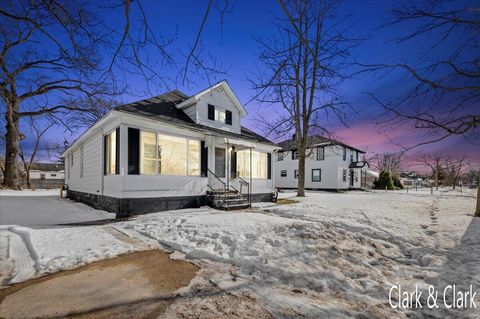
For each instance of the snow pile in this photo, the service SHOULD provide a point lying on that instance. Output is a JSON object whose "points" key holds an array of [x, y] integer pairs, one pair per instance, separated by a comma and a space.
{"points": [[27, 253]]}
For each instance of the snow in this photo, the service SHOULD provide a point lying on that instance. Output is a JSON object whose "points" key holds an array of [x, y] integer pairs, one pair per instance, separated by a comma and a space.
{"points": [[327, 255], [35, 252]]}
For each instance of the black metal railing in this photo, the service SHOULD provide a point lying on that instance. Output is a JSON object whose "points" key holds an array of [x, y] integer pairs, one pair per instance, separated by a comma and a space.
{"points": [[242, 186], [221, 192]]}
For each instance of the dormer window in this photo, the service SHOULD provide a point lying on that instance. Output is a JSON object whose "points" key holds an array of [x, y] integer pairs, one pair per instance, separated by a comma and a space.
{"points": [[217, 115], [220, 116]]}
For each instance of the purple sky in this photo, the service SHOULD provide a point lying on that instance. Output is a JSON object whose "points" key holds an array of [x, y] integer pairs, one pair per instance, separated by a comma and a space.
{"points": [[234, 46]]}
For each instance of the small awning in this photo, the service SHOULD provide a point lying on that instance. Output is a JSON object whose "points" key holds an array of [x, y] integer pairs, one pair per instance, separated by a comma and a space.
{"points": [[360, 164], [239, 143]]}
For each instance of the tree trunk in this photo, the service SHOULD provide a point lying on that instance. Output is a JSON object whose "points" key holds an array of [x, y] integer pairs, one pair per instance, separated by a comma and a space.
{"points": [[10, 179], [436, 177], [301, 175]]}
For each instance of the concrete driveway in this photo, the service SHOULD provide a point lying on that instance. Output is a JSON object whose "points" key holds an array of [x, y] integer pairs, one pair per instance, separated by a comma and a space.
{"points": [[45, 210]]}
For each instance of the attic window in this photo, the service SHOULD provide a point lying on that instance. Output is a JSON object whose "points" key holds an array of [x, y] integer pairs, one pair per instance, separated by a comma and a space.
{"points": [[219, 116]]}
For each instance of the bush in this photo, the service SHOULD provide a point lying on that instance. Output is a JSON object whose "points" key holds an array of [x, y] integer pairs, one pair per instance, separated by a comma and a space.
{"points": [[384, 181], [397, 183]]}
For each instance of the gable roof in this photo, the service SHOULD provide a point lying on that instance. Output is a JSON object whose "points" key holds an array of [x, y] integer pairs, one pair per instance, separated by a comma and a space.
{"points": [[164, 108], [48, 167], [222, 84], [289, 145]]}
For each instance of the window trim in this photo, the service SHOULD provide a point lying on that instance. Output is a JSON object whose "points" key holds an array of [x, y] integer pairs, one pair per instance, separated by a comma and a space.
{"points": [[294, 155], [282, 173], [344, 172], [295, 174], [323, 153], [320, 175]]}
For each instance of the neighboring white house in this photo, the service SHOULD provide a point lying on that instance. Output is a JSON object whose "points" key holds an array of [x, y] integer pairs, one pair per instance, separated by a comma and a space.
{"points": [[330, 165], [170, 152], [46, 175]]}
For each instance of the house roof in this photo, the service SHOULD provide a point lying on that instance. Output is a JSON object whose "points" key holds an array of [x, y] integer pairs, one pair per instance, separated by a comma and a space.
{"points": [[222, 84], [47, 167], [164, 107], [314, 140]]}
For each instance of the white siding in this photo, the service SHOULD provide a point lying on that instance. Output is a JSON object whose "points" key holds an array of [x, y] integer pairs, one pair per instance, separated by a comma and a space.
{"points": [[221, 101], [191, 111], [332, 170], [91, 181]]}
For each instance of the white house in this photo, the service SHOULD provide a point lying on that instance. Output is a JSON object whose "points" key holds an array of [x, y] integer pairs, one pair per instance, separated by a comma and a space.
{"points": [[46, 175], [171, 151], [330, 165]]}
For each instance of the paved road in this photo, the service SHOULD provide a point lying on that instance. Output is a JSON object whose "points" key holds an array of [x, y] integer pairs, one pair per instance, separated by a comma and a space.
{"points": [[40, 211]]}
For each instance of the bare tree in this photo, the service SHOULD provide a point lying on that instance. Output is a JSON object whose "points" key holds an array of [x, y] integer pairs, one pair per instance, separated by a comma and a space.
{"points": [[300, 71], [386, 162], [28, 159], [436, 163], [445, 92], [454, 167]]}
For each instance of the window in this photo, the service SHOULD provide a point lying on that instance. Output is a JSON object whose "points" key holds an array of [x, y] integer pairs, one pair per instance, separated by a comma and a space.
{"points": [[81, 161], [219, 116], [280, 156], [148, 153], [168, 155], [53, 175], [259, 167], [294, 155], [351, 156], [228, 117], [111, 153], [283, 173], [42, 176], [71, 159], [193, 158], [316, 175], [295, 173], [356, 176], [344, 175], [356, 157], [344, 153], [320, 153]]}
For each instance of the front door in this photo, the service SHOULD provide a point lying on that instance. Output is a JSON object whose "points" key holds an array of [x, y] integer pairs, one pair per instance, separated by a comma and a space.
{"points": [[220, 162]]}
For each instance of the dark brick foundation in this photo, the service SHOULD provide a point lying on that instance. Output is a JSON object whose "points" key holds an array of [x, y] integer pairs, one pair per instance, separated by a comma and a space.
{"points": [[124, 207]]}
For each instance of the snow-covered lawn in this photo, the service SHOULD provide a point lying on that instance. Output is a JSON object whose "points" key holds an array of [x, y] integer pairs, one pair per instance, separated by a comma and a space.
{"points": [[328, 254]]}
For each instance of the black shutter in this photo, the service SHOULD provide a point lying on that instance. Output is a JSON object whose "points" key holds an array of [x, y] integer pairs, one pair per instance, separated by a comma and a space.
{"points": [[233, 164], [228, 117], [203, 159], [117, 151], [269, 165], [133, 151], [293, 154], [211, 112], [105, 150]]}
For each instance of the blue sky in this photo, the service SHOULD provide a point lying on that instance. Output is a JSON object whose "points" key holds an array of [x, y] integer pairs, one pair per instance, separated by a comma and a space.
{"points": [[234, 46]]}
